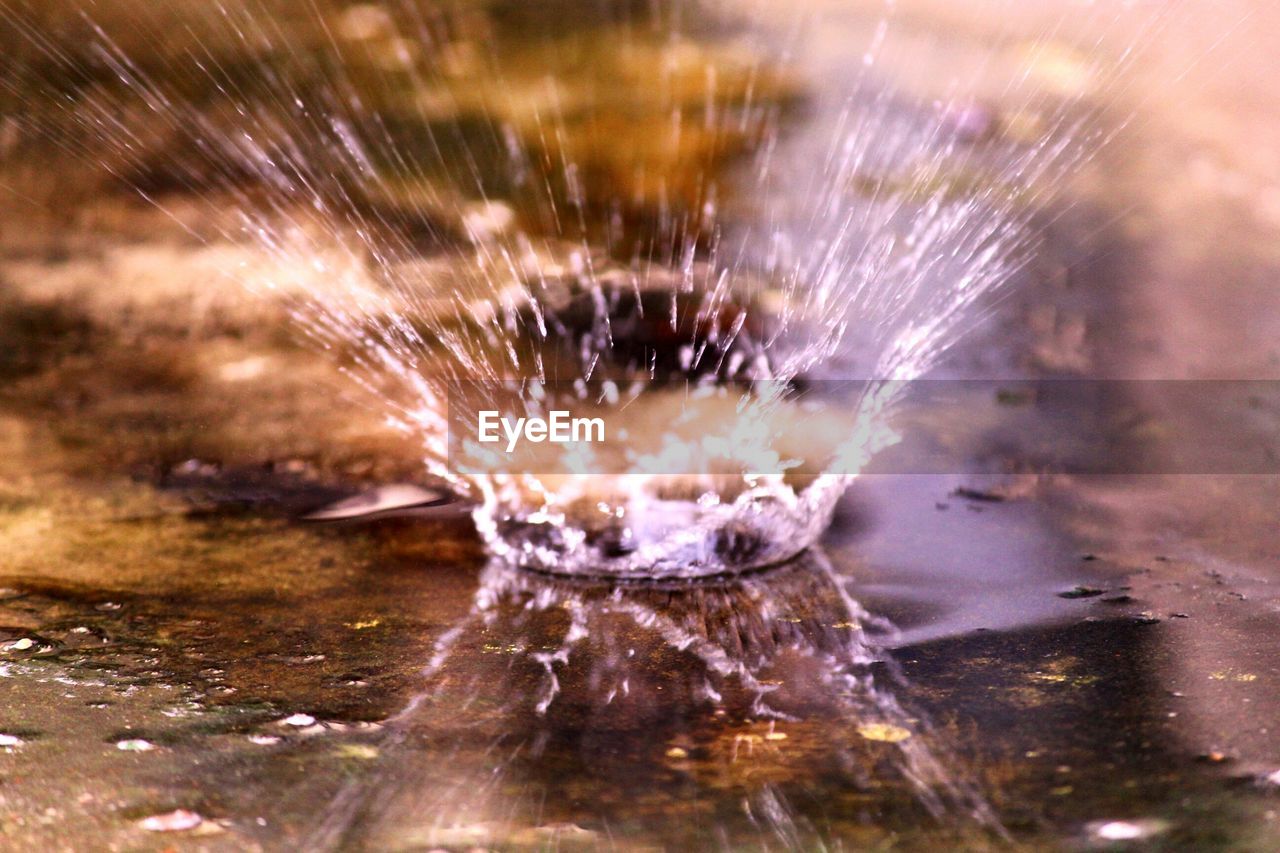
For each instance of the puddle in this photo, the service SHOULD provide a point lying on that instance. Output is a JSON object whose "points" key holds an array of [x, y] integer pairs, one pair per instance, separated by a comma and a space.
{"points": [[995, 660]]}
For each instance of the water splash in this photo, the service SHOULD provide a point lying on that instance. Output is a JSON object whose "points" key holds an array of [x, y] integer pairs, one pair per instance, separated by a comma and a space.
{"points": [[437, 199]]}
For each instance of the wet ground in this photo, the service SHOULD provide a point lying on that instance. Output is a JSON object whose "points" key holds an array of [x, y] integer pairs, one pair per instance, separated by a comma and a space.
{"points": [[1000, 659]]}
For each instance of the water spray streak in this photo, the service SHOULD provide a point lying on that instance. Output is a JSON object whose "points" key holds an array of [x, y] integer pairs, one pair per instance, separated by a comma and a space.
{"points": [[436, 196]]}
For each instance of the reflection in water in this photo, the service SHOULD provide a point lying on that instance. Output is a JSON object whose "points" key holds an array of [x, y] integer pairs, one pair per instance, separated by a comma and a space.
{"points": [[755, 708]]}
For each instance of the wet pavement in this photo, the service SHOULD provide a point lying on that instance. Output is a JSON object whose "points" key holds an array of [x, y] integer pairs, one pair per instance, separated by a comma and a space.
{"points": [[997, 659]]}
